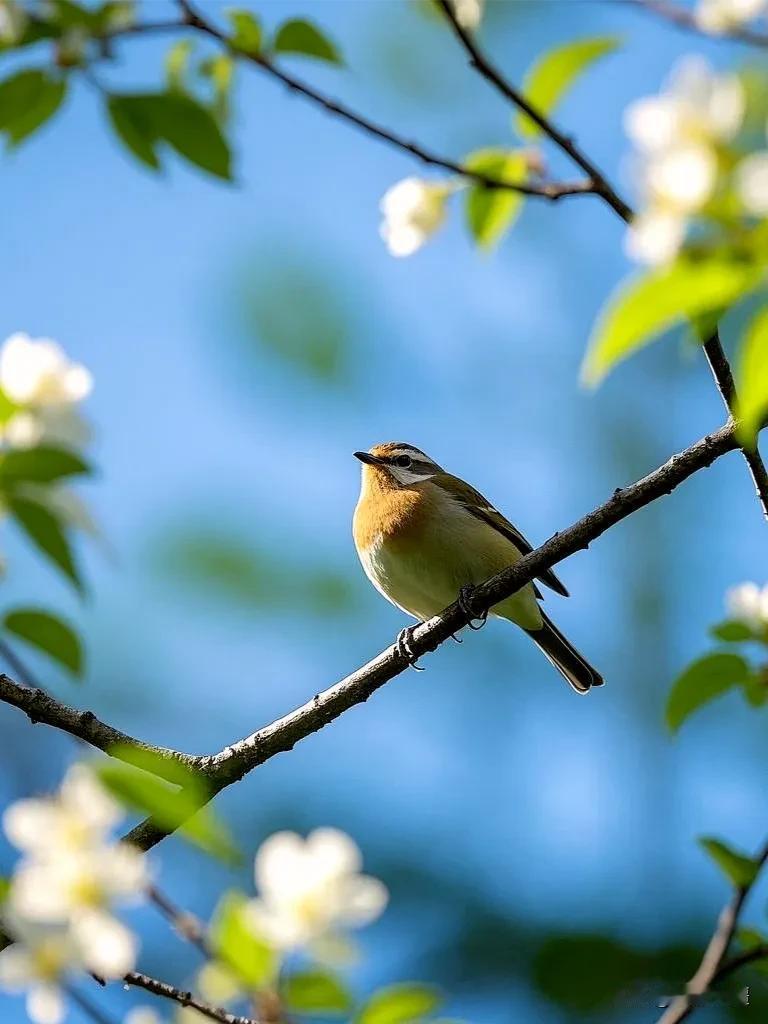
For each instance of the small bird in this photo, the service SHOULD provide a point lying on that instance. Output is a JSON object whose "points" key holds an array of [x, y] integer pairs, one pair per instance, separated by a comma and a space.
{"points": [[426, 538]]}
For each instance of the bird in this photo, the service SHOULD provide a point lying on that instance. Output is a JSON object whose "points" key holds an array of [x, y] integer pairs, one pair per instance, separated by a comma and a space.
{"points": [[426, 538]]}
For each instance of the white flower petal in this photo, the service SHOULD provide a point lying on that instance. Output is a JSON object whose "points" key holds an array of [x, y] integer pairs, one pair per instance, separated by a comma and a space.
{"points": [[84, 796], [143, 1015], [752, 183], [364, 900], [655, 236], [108, 948], [28, 824], [653, 122], [333, 853], [16, 968], [279, 863], [45, 1004]]}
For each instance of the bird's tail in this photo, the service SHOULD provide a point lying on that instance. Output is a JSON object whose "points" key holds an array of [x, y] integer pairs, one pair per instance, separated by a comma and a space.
{"points": [[573, 666]]}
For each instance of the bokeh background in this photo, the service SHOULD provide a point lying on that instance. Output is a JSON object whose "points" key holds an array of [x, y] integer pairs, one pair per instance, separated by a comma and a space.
{"points": [[245, 340]]}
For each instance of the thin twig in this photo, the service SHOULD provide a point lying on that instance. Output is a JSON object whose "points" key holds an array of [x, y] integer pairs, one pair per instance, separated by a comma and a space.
{"points": [[713, 965], [713, 350], [166, 991], [685, 19]]}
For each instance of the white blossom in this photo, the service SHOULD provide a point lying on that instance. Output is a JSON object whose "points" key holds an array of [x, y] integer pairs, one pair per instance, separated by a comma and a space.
{"points": [[718, 16], [45, 388], [413, 210], [678, 136], [469, 13], [311, 889], [73, 873], [13, 21], [36, 964], [748, 603]]}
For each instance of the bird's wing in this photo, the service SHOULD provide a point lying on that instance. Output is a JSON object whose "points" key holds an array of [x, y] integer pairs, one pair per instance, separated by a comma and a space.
{"points": [[482, 509]]}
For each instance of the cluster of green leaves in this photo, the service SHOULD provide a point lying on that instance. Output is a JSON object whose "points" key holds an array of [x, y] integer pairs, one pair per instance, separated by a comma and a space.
{"points": [[309, 990], [189, 115], [729, 667], [491, 213], [26, 476]]}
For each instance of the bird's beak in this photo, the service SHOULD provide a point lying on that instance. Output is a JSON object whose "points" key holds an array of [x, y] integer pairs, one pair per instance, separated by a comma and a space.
{"points": [[368, 459]]}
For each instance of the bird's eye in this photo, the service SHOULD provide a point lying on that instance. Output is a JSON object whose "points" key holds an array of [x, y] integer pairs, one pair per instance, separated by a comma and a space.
{"points": [[404, 461]]}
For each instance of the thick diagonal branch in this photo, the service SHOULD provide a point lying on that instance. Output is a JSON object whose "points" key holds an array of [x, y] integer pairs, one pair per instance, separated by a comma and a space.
{"points": [[183, 998], [713, 350]]}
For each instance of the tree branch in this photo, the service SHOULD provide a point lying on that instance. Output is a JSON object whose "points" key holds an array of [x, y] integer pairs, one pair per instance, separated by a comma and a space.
{"points": [[713, 350], [39, 706], [686, 19], [166, 991], [237, 760], [713, 966]]}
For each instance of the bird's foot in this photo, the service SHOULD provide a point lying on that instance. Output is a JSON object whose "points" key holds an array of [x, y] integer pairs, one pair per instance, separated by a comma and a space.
{"points": [[466, 594], [404, 649]]}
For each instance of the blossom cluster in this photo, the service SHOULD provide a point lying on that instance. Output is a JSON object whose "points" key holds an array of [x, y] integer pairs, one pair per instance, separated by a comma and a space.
{"points": [[40, 394], [60, 906], [693, 167], [722, 16]]}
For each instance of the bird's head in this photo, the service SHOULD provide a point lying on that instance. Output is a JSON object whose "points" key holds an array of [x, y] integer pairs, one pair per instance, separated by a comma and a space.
{"points": [[396, 464]]}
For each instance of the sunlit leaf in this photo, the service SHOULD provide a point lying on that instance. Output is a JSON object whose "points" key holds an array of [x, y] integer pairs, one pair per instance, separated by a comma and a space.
{"points": [[305, 38], [48, 633], [235, 943], [752, 378], [177, 805], [555, 72], [740, 869], [652, 302], [46, 533], [317, 993], [400, 1004], [43, 464], [177, 64], [733, 631], [246, 31], [492, 211], [705, 679], [220, 71], [27, 100]]}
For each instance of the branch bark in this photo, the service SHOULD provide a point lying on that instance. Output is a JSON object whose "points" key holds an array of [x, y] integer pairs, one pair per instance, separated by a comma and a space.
{"points": [[713, 966], [177, 995], [713, 349]]}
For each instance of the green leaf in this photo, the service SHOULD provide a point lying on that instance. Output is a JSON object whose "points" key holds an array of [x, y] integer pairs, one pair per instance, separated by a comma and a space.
{"points": [[48, 633], [192, 131], [5, 888], [220, 71], [756, 689], [317, 993], [740, 869], [46, 533], [491, 212], [701, 682], [733, 631], [555, 72], [234, 942], [749, 939], [246, 31], [177, 64], [752, 378], [27, 100], [300, 36], [43, 464], [184, 124], [654, 301], [141, 785], [400, 1004], [133, 126]]}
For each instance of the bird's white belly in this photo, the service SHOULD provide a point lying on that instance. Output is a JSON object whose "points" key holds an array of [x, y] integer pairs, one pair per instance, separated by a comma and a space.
{"points": [[417, 588]]}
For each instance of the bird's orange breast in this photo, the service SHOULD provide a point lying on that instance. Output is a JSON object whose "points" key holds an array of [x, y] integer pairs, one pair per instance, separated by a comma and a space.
{"points": [[385, 513]]}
